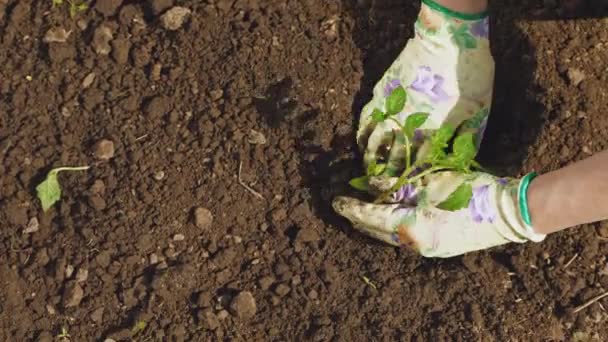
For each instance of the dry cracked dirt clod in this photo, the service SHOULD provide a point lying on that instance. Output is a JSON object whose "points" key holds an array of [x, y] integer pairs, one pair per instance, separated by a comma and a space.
{"points": [[174, 18], [101, 40], [107, 7], [72, 294], [203, 218], [56, 35], [104, 149], [243, 305]]}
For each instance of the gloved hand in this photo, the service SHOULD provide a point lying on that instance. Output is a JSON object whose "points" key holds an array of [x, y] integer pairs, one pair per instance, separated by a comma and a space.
{"points": [[448, 72], [412, 217]]}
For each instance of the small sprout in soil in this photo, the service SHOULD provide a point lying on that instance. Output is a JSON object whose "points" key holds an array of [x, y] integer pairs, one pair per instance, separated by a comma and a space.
{"points": [[75, 6], [369, 282], [64, 335], [49, 191], [442, 156], [139, 327]]}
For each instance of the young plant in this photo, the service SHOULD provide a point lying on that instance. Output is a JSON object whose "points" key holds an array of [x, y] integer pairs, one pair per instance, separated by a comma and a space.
{"points": [[139, 327], [75, 6], [64, 335], [437, 158], [49, 191]]}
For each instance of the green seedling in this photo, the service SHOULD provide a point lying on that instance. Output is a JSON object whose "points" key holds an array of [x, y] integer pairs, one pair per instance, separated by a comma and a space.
{"points": [[64, 335], [139, 327], [367, 281], [446, 152], [49, 191], [75, 6]]}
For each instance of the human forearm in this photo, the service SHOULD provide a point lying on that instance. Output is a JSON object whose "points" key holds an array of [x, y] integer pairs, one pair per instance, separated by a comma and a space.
{"points": [[574, 195]]}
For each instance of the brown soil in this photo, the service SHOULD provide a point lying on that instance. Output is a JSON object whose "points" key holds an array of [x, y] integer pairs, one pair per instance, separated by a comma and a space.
{"points": [[179, 107]]}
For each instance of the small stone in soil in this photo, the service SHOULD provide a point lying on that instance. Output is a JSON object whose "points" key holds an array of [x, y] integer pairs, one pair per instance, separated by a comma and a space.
{"points": [[203, 218], [120, 50], [174, 18], [203, 300], [256, 138], [50, 309], [159, 175], [69, 270], [266, 282], [101, 40], [56, 35], [575, 76], [243, 305], [157, 107], [211, 319], [104, 149], [107, 7], [312, 294], [82, 275], [159, 6], [222, 315], [32, 226], [216, 94], [179, 237], [155, 72], [72, 295], [307, 235], [88, 80], [98, 187], [97, 315], [282, 290]]}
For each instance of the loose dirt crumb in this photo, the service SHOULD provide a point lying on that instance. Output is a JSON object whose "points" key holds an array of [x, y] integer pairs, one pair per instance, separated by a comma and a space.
{"points": [[575, 76], [104, 149], [72, 294], [174, 18], [159, 6], [56, 35], [203, 218], [101, 40], [243, 305], [107, 7]]}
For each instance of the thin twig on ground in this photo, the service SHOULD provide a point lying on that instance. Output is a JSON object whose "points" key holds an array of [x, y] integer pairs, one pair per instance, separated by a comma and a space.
{"points": [[247, 187], [590, 302], [571, 260]]}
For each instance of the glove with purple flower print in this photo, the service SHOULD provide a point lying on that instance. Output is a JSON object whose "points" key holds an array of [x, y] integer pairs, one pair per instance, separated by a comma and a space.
{"points": [[447, 70], [414, 217], [443, 80]]}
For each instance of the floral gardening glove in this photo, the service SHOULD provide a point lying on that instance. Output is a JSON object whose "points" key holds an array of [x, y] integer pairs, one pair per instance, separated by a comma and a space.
{"points": [[448, 72], [422, 216]]}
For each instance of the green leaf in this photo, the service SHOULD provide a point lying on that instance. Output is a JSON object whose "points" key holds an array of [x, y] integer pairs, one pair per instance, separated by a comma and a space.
{"points": [[379, 169], [360, 183], [77, 7], [395, 102], [374, 169], [442, 136], [413, 122], [439, 142], [57, 3], [378, 115], [459, 199], [49, 191], [464, 147]]}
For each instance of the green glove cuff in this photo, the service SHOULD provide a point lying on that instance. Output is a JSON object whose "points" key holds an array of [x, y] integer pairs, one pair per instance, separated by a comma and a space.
{"points": [[464, 16], [523, 197]]}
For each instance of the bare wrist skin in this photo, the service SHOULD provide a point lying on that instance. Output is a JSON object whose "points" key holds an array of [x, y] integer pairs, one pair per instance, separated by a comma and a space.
{"points": [[571, 196], [465, 6]]}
